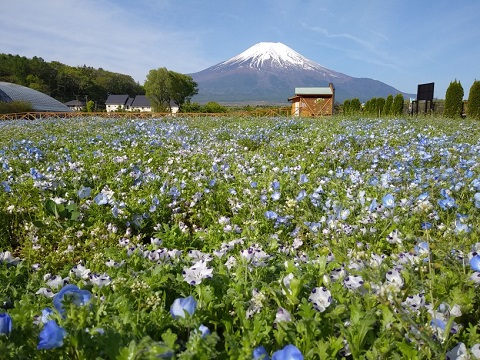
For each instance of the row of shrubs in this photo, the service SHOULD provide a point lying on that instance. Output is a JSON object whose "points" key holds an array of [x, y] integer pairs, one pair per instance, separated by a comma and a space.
{"points": [[15, 107], [453, 106]]}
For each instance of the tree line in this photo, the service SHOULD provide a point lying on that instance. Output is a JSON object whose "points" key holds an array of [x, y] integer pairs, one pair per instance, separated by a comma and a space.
{"points": [[375, 106], [454, 104], [64, 82]]}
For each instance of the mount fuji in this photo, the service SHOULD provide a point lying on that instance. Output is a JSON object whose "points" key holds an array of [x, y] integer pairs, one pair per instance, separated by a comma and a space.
{"points": [[268, 73]]}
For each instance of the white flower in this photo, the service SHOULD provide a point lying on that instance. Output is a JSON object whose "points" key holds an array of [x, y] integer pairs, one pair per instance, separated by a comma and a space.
{"points": [[321, 298], [459, 352], [6, 257], [282, 315], [353, 282], [195, 274], [394, 278], [56, 281], [394, 237], [80, 271], [100, 279], [45, 292]]}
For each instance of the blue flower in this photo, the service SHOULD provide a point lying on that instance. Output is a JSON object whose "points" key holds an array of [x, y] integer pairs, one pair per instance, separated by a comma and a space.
{"points": [[204, 330], [84, 192], [101, 199], [289, 352], [5, 324], [74, 294], [271, 215], [182, 305], [259, 353], [51, 336], [388, 201], [475, 262]]}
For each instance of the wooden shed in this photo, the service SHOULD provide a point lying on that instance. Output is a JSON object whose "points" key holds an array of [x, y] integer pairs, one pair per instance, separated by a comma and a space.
{"points": [[313, 101]]}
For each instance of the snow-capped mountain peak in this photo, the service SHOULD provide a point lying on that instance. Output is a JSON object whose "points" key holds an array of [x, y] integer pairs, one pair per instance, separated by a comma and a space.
{"points": [[275, 55]]}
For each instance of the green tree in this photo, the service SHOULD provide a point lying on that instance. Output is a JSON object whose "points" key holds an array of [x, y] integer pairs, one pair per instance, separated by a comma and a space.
{"points": [[355, 106], [90, 105], [182, 87], [163, 87], [379, 105], [388, 105], [213, 107], [473, 108], [454, 100], [397, 105], [346, 107]]}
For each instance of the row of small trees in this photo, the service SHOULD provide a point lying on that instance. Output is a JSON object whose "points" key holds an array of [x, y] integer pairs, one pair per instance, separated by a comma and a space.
{"points": [[454, 101], [375, 106]]}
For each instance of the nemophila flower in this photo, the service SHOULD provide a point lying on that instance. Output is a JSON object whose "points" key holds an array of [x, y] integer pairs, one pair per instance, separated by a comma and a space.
{"points": [[393, 276], [45, 292], [73, 294], [388, 201], [181, 306], [276, 196], [51, 336], [321, 298], [353, 282], [271, 215], [80, 271], [394, 237], [84, 192], [426, 225], [7, 258], [282, 315], [476, 351], [303, 179], [204, 331], [100, 280], [459, 352], [414, 302], [6, 186], [422, 249], [260, 353], [6, 324], [56, 281], [289, 352], [196, 273], [475, 262], [476, 199], [101, 199]]}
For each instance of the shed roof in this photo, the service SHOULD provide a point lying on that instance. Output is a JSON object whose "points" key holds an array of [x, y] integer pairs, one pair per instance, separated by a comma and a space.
{"points": [[116, 99], [313, 91], [141, 101]]}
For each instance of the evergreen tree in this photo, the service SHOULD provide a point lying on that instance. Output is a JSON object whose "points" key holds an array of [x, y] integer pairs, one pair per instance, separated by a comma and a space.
{"points": [[355, 106], [388, 105], [379, 105], [453, 100], [473, 108], [346, 107], [397, 105]]}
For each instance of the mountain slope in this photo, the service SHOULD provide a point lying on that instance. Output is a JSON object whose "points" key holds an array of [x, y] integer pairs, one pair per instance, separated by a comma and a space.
{"points": [[269, 73]]}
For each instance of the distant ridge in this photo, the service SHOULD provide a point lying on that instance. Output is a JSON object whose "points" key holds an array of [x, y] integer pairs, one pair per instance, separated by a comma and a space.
{"points": [[269, 72]]}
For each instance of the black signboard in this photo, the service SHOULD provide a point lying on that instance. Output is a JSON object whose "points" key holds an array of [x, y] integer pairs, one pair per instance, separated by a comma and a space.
{"points": [[425, 92]]}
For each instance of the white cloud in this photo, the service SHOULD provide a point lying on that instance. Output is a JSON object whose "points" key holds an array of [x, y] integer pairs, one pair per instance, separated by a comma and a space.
{"points": [[98, 34]]}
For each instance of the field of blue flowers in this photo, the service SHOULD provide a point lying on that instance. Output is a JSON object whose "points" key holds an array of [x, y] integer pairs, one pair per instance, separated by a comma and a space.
{"points": [[240, 238]]}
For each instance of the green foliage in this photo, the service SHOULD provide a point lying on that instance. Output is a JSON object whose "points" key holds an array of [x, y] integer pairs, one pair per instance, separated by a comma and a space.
{"points": [[64, 82], [90, 105], [164, 87], [15, 107], [346, 107], [214, 107], [387, 108], [352, 107], [454, 100], [397, 105], [473, 108], [379, 106]]}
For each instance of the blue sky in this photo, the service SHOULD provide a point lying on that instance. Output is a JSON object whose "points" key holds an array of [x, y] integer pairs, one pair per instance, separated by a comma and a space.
{"points": [[401, 43]]}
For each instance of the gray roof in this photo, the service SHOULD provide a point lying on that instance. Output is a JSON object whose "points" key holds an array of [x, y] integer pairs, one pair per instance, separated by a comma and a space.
{"points": [[313, 91], [116, 100], [40, 102], [141, 101], [76, 103]]}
